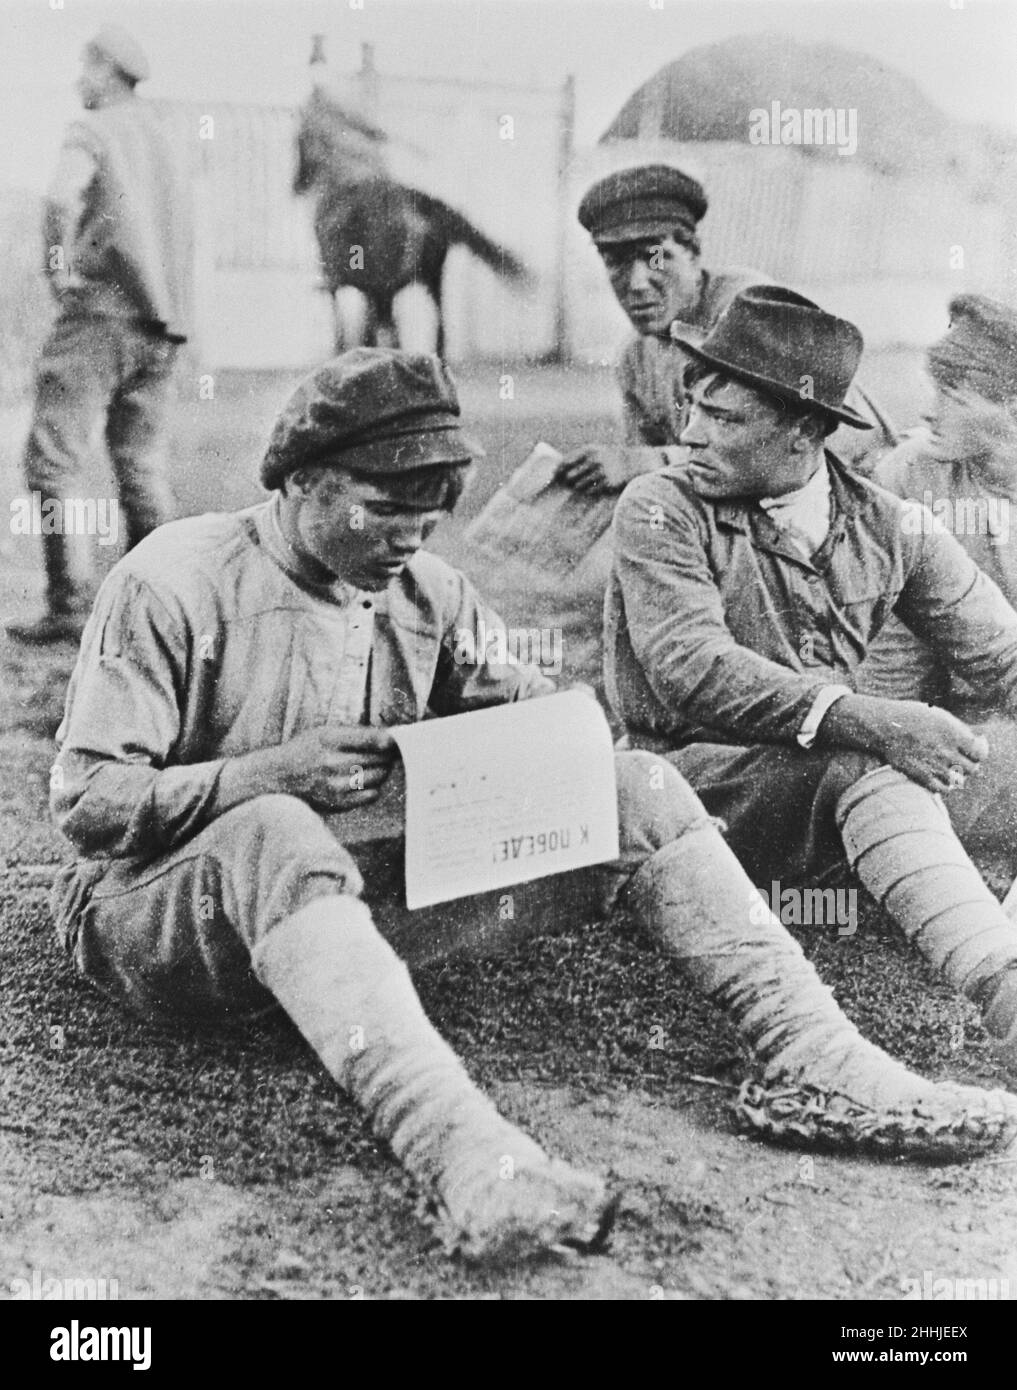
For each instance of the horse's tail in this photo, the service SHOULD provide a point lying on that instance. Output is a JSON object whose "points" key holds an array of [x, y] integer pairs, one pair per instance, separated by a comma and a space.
{"points": [[460, 231]]}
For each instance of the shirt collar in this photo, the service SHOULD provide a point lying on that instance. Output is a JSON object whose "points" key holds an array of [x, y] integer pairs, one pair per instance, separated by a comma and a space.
{"points": [[812, 494], [270, 528], [844, 498]]}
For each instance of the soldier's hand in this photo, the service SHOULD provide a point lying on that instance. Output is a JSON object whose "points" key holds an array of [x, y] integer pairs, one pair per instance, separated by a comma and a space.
{"points": [[337, 767], [593, 469], [929, 745]]}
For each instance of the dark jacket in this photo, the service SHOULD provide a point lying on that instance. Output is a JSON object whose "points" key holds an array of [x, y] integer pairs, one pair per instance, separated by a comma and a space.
{"points": [[718, 629]]}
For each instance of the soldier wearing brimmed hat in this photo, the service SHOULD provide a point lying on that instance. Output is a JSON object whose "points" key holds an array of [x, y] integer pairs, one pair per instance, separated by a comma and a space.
{"points": [[118, 260], [231, 705], [644, 222], [747, 589]]}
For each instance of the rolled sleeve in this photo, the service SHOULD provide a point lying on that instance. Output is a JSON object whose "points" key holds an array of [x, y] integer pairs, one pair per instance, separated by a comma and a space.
{"points": [[676, 627], [112, 792]]}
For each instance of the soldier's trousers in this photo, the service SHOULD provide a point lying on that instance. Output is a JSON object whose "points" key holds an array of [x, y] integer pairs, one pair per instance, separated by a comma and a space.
{"points": [[114, 374], [174, 935], [778, 803]]}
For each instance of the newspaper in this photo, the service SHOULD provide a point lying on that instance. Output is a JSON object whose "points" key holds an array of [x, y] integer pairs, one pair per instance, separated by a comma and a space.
{"points": [[506, 795], [537, 519]]}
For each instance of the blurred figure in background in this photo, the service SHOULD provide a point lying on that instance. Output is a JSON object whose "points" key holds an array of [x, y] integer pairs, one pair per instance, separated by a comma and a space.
{"points": [[962, 466], [959, 472], [119, 262]]}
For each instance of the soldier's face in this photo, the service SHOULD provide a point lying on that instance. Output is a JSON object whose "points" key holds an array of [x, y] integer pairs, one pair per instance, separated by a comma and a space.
{"points": [[362, 532], [965, 425], [655, 280], [740, 444]]}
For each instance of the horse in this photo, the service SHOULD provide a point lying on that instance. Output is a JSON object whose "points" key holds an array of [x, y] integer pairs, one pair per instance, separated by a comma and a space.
{"points": [[378, 236]]}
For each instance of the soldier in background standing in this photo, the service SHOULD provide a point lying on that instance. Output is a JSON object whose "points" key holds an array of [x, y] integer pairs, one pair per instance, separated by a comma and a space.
{"points": [[119, 262]]}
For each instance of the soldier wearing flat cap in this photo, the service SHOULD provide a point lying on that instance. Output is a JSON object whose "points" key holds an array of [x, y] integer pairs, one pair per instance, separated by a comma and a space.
{"points": [[228, 722], [747, 588], [644, 222], [118, 257]]}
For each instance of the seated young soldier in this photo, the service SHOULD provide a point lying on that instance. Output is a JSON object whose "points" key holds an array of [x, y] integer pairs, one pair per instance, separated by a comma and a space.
{"points": [[747, 588], [644, 222], [231, 703]]}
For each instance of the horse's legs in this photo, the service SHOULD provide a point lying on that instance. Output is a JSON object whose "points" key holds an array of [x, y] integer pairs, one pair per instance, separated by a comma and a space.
{"points": [[417, 320], [353, 318], [433, 282], [373, 323]]}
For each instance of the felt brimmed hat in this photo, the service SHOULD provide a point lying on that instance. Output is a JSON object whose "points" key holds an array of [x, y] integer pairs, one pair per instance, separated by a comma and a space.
{"points": [[372, 410], [781, 343]]}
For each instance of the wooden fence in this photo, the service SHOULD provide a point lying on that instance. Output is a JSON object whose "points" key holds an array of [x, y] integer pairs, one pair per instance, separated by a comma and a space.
{"points": [[495, 152], [886, 251]]}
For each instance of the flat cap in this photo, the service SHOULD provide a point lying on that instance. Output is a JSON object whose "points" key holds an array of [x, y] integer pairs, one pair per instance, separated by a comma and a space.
{"points": [[372, 410], [979, 349], [122, 50], [649, 200]]}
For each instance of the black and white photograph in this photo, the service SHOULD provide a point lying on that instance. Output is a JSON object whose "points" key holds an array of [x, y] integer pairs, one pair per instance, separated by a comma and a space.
{"points": [[508, 620]]}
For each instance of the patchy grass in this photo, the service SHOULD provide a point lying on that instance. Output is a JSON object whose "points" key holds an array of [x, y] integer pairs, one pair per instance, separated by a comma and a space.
{"points": [[195, 1164]]}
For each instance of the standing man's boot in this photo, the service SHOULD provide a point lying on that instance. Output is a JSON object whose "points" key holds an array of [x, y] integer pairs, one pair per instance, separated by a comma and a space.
{"points": [[68, 597]]}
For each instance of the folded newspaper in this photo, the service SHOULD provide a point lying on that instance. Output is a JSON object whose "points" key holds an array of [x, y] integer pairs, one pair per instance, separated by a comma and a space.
{"points": [[496, 797], [536, 519]]}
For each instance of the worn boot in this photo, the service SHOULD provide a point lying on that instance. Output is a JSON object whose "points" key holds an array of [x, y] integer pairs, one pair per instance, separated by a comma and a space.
{"points": [[68, 597], [501, 1196], [819, 1080], [900, 843]]}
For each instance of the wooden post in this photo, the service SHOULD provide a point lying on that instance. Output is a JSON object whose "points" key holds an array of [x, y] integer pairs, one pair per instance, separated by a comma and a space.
{"points": [[562, 349], [367, 79]]}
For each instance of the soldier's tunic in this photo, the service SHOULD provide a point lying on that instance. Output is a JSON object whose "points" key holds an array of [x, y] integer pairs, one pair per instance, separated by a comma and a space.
{"points": [[207, 642], [977, 503], [721, 632]]}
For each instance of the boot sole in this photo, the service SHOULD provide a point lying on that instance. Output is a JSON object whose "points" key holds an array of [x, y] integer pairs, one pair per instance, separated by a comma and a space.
{"points": [[807, 1116], [517, 1244]]}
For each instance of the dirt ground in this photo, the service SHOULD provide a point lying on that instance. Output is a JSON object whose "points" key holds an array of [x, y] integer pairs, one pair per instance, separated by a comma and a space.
{"points": [[184, 1165]]}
